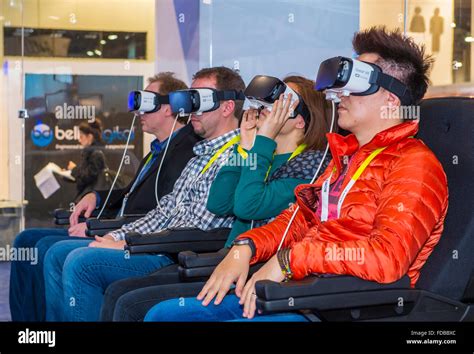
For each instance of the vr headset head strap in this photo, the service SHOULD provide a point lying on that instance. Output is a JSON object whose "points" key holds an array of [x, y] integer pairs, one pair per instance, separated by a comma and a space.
{"points": [[303, 109], [230, 95], [162, 99], [393, 85]]}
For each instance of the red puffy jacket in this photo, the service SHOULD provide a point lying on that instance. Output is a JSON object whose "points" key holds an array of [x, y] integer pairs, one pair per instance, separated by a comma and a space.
{"points": [[390, 220]]}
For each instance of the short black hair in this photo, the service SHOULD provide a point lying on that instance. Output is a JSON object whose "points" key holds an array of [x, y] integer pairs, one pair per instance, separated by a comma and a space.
{"points": [[400, 57]]}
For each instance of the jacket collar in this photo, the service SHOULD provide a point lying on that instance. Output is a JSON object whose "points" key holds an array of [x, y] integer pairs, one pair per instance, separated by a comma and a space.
{"points": [[347, 145]]}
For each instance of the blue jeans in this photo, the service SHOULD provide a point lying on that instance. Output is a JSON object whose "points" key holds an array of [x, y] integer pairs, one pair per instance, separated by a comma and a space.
{"points": [[76, 277], [229, 310], [26, 280]]}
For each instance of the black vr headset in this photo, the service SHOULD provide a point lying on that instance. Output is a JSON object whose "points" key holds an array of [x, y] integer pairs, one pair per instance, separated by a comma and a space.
{"points": [[200, 100], [358, 78], [145, 101], [263, 91]]}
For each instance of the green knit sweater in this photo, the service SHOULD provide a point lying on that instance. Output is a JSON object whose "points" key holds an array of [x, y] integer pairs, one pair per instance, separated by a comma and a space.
{"points": [[242, 191]]}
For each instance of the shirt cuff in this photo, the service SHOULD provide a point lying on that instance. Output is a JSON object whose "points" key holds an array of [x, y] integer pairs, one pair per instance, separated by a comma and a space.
{"points": [[97, 197], [118, 235]]}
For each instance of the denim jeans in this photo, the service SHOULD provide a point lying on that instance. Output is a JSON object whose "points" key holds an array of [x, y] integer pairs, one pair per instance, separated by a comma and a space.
{"points": [[116, 290], [134, 305], [229, 310], [27, 294], [76, 277]]}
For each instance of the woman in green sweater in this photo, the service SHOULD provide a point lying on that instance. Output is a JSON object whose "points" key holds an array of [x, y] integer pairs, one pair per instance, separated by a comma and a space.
{"points": [[276, 154]]}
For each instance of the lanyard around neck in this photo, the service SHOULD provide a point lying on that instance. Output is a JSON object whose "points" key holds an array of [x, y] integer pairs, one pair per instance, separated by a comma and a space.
{"points": [[214, 157], [295, 153], [354, 178]]}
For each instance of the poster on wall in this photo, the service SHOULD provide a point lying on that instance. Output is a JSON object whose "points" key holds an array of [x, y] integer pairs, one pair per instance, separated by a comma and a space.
{"points": [[60, 108]]}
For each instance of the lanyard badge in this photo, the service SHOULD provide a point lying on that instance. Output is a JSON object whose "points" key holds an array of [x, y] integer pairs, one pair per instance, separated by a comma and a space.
{"points": [[326, 186]]}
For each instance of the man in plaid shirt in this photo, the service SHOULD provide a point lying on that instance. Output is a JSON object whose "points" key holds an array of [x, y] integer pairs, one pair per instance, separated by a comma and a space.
{"points": [[186, 205], [78, 272]]}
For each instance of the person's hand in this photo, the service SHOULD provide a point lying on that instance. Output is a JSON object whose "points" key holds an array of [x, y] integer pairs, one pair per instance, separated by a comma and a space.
{"points": [[276, 119], [107, 241], [71, 165], [270, 271], [78, 230], [233, 268], [87, 205], [248, 128]]}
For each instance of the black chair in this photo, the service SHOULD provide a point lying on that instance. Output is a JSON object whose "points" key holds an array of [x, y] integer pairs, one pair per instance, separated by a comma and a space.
{"points": [[445, 289]]}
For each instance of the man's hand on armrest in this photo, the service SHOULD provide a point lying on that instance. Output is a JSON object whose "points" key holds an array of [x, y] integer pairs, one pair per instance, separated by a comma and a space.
{"points": [[107, 241], [87, 205], [78, 230]]}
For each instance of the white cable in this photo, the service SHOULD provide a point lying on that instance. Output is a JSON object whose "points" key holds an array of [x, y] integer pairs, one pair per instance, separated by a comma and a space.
{"points": [[120, 167], [161, 162], [312, 180]]}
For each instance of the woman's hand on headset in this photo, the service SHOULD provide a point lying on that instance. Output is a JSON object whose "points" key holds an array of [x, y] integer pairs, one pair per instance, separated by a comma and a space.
{"points": [[276, 119], [248, 128]]}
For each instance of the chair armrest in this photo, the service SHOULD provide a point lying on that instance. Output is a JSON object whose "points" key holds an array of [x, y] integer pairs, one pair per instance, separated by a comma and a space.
{"points": [[190, 259], [326, 293], [101, 227], [313, 285], [177, 240], [61, 216], [199, 266]]}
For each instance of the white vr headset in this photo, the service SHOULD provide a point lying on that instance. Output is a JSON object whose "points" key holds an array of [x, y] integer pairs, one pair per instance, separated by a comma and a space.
{"points": [[340, 75], [145, 101], [200, 100]]}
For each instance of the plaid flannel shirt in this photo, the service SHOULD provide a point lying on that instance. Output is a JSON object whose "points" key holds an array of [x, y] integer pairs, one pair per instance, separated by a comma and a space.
{"points": [[185, 206]]}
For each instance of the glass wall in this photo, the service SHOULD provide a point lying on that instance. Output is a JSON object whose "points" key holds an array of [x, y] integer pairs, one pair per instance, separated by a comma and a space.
{"points": [[66, 62]]}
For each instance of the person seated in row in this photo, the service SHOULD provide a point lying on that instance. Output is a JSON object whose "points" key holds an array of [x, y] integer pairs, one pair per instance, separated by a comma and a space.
{"points": [[276, 153], [26, 280], [384, 197], [78, 272]]}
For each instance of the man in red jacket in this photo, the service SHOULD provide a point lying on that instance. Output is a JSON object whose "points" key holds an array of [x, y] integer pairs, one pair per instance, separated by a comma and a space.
{"points": [[375, 213]]}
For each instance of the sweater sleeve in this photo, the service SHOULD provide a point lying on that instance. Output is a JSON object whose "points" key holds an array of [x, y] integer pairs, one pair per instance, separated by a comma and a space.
{"points": [[258, 199], [222, 192], [268, 237]]}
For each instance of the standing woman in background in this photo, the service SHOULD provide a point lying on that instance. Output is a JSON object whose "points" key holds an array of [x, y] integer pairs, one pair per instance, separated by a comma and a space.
{"points": [[89, 172]]}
